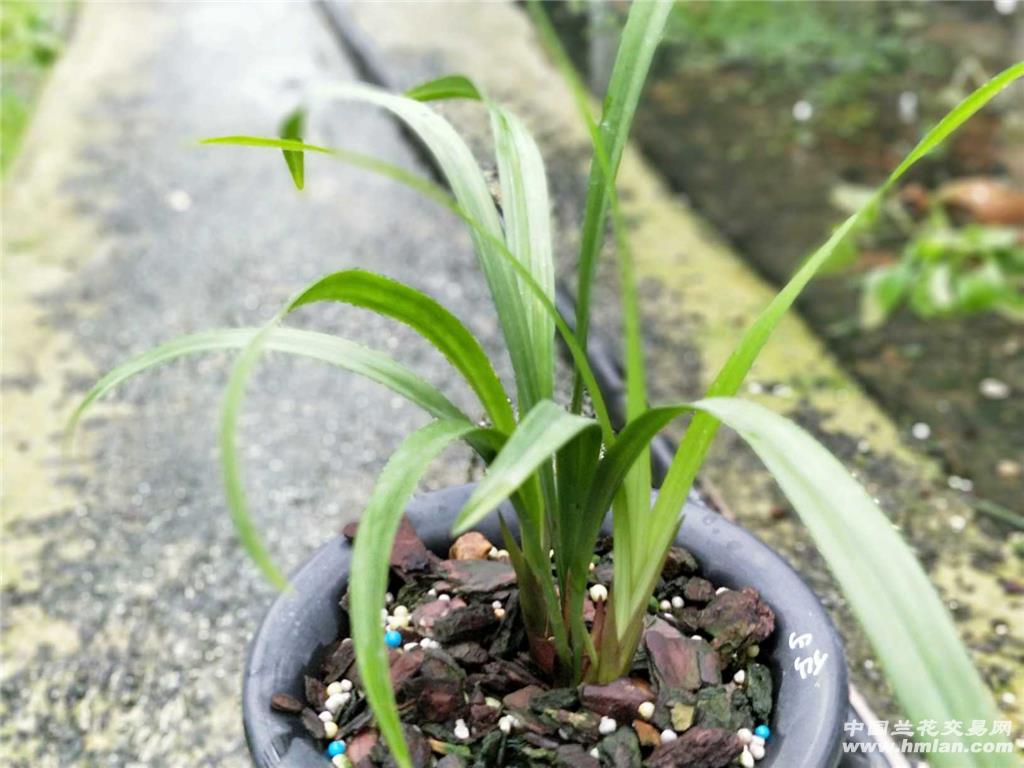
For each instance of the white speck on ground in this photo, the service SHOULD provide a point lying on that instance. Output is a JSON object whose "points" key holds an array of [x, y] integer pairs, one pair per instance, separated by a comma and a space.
{"points": [[803, 111], [994, 389]]}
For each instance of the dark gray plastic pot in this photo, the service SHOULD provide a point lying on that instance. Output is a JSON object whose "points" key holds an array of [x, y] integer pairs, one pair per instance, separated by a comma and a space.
{"points": [[809, 711]]}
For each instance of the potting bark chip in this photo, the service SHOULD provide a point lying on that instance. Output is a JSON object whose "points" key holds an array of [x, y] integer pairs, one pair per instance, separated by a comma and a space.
{"points": [[470, 693]]}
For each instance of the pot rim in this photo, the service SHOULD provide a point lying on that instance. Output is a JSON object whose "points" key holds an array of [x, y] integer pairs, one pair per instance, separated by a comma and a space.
{"points": [[808, 713]]}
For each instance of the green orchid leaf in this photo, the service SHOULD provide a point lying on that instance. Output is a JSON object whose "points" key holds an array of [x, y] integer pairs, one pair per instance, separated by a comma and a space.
{"points": [[447, 87], [423, 314], [371, 558], [292, 129], [527, 210], [438, 195], [317, 346], [910, 629], [640, 37], [541, 433], [386, 297], [467, 183]]}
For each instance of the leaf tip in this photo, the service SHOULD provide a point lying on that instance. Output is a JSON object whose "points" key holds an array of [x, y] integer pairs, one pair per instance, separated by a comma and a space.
{"points": [[292, 128]]}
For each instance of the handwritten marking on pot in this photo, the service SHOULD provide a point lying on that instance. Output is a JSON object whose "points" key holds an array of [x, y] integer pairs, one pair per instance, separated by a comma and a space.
{"points": [[807, 666]]}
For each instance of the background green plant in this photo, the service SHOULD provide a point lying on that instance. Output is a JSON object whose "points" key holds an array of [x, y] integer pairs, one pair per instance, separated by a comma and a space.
{"points": [[30, 41], [948, 270], [783, 45], [563, 470]]}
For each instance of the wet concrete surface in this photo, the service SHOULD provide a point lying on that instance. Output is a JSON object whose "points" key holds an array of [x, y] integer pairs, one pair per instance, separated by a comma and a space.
{"points": [[127, 602]]}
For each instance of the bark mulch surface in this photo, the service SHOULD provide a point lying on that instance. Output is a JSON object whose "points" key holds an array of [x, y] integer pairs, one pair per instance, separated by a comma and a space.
{"points": [[471, 694]]}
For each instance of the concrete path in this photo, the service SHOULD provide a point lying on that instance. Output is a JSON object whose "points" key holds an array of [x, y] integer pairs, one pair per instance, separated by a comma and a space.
{"points": [[127, 603]]}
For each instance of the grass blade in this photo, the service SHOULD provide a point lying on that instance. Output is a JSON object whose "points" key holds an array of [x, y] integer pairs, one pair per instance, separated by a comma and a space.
{"points": [[467, 183], [541, 433], [892, 597], [231, 470], [447, 87], [371, 558], [291, 129], [701, 431], [318, 346], [527, 209], [423, 314], [438, 195], [640, 38], [386, 297]]}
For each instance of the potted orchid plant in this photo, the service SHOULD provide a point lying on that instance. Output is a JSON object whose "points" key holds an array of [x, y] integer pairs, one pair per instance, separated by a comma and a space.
{"points": [[585, 605]]}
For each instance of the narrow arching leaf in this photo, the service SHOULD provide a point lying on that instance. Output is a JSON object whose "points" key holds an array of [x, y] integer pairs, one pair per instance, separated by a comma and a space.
{"points": [[447, 87], [357, 159], [431, 320], [292, 129], [318, 346], [701, 431], [230, 464], [386, 297], [541, 433], [640, 37], [338, 289], [371, 558], [527, 215], [438, 195], [890, 594], [633, 443], [467, 183], [339, 352], [527, 209]]}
